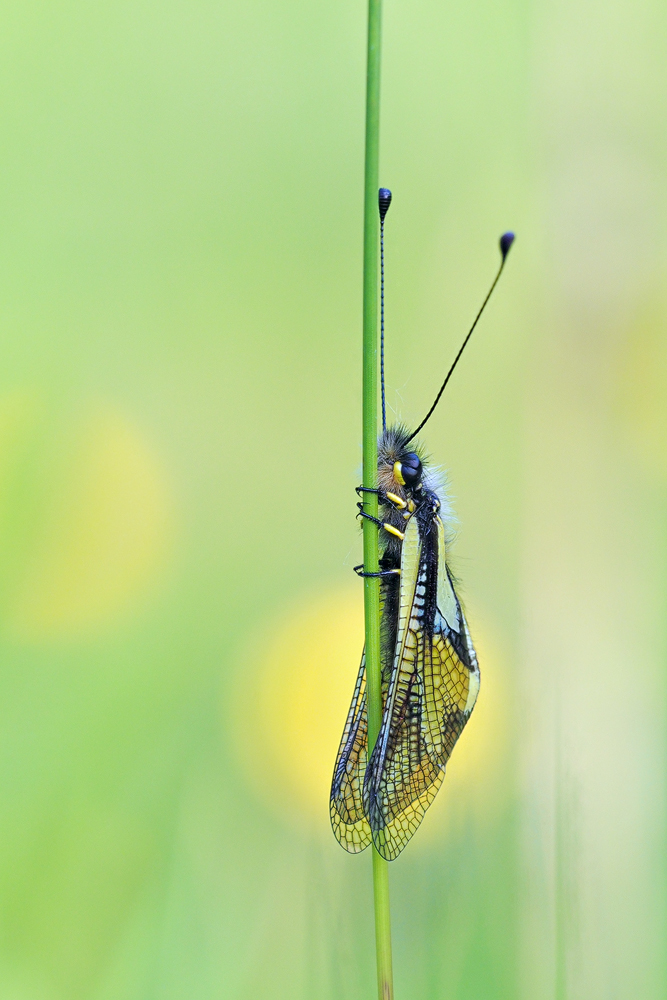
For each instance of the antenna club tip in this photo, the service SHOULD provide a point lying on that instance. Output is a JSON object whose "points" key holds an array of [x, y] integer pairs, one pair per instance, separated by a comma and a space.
{"points": [[384, 201], [506, 241]]}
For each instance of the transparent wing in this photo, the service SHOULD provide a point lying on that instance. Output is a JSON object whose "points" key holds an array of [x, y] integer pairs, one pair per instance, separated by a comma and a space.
{"points": [[348, 819], [431, 693]]}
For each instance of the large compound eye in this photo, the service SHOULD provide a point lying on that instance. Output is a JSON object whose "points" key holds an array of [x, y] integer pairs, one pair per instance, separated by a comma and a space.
{"points": [[409, 469]]}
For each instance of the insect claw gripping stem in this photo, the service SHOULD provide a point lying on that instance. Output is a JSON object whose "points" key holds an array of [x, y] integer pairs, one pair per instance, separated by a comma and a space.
{"points": [[381, 524], [368, 489], [384, 498], [359, 570], [375, 520]]}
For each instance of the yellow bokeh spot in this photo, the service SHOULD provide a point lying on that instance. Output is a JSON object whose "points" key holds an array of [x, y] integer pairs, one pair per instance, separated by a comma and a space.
{"points": [[98, 520], [298, 681], [297, 684]]}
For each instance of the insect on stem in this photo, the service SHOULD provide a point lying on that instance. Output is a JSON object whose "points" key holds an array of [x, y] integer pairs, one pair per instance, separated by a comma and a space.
{"points": [[395, 747]]}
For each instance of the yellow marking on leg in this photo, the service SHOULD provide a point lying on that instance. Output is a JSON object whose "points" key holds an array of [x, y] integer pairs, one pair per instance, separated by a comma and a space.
{"points": [[397, 500], [393, 531]]}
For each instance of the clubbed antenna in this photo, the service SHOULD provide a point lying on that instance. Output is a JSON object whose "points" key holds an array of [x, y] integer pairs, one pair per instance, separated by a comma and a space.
{"points": [[384, 201], [506, 241]]}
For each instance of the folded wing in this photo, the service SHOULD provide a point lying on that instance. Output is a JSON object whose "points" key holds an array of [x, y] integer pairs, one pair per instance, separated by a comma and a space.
{"points": [[348, 819], [431, 693]]}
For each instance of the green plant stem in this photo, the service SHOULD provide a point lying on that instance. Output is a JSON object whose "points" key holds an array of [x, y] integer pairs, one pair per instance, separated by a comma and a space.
{"points": [[370, 428]]}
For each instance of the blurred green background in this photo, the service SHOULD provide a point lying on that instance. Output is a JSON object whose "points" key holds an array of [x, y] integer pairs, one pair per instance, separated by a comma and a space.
{"points": [[180, 281]]}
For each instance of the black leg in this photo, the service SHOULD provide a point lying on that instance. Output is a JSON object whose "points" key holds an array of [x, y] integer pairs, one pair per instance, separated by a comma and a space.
{"points": [[375, 520], [367, 489], [385, 498], [381, 524], [359, 570]]}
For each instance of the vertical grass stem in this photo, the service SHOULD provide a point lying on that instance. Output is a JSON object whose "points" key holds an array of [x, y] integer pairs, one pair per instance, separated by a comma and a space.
{"points": [[370, 403]]}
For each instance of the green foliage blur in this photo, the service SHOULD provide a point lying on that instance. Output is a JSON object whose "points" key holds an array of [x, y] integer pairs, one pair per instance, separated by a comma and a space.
{"points": [[180, 406]]}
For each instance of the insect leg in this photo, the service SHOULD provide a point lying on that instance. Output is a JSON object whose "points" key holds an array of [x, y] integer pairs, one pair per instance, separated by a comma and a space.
{"points": [[359, 570], [381, 524], [387, 498]]}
